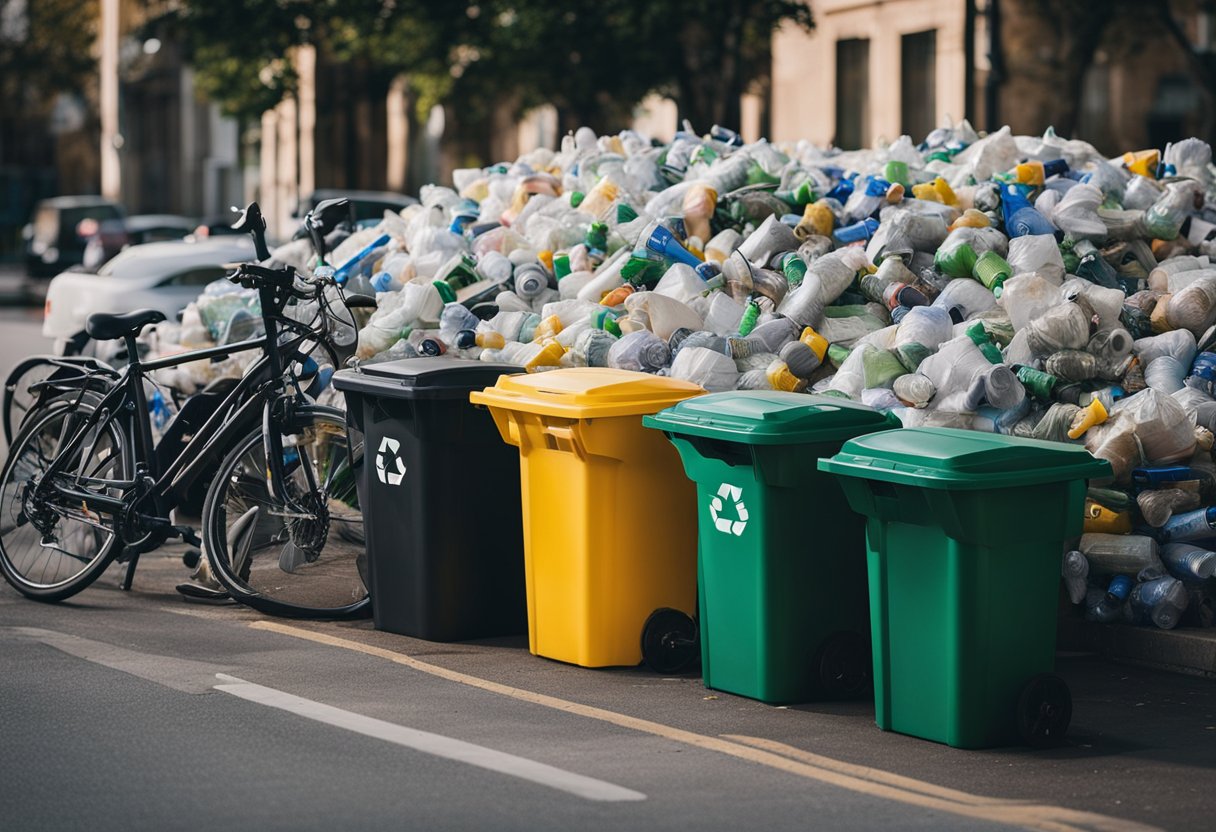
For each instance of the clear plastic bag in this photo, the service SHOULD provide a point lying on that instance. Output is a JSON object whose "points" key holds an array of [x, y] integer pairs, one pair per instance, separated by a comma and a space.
{"points": [[1194, 307], [641, 351], [708, 368], [1037, 253], [1166, 432]]}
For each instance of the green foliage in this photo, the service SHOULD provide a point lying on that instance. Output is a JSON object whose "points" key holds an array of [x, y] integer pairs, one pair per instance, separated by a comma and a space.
{"points": [[50, 51], [593, 59]]}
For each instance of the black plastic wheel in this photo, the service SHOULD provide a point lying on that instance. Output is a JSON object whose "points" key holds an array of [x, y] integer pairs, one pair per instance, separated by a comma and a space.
{"points": [[670, 641], [845, 667], [1044, 711]]}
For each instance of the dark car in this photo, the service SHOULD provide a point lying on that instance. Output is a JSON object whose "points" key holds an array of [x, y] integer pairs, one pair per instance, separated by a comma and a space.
{"points": [[54, 240], [368, 205], [112, 236]]}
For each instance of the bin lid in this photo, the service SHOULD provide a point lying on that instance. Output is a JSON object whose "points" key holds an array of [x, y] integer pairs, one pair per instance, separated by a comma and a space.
{"points": [[586, 393], [770, 417], [947, 458], [437, 377]]}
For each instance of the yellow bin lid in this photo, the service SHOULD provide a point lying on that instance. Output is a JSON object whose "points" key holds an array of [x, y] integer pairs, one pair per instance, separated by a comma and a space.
{"points": [[586, 393]]}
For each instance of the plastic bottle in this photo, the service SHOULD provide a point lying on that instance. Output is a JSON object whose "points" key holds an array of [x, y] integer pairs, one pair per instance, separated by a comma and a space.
{"points": [[1158, 506], [531, 280], [1188, 563], [1199, 524], [1020, 216], [1104, 520], [1075, 571], [453, 319], [1161, 602], [1114, 554], [641, 351], [1107, 607], [771, 238], [914, 390]]}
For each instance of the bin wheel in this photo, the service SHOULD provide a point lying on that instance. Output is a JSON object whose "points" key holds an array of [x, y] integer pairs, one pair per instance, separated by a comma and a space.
{"points": [[670, 641], [845, 666], [1044, 711]]}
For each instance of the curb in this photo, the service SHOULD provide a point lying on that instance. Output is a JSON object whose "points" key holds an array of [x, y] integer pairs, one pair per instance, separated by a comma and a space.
{"points": [[1191, 650]]}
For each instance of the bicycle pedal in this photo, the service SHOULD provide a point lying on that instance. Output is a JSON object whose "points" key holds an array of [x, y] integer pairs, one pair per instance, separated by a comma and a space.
{"points": [[188, 535]]}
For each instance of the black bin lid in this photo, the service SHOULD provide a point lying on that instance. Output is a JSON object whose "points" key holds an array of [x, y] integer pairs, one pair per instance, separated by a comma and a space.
{"points": [[438, 377]]}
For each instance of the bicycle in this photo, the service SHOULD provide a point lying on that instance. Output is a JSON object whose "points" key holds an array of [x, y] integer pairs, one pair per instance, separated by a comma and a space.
{"points": [[85, 483]]}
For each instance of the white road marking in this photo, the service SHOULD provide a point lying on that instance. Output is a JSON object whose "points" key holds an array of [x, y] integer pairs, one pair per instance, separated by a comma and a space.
{"points": [[428, 743]]}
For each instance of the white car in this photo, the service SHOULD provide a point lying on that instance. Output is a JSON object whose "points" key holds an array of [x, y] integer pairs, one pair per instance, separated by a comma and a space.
{"points": [[164, 276]]}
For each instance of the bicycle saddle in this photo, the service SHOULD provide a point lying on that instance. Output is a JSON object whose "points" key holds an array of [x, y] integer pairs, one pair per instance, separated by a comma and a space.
{"points": [[105, 327]]}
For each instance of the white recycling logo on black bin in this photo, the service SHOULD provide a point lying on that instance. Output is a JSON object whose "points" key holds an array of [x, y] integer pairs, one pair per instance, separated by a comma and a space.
{"points": [[734, 494], [389, 467]]}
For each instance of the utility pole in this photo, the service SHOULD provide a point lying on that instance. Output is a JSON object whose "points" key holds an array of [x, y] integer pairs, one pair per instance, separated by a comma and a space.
{"points": [[111, 138]]}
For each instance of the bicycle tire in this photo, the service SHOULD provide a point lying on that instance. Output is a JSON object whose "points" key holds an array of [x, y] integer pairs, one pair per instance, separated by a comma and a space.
{"points": [[328, 584], [12, 510]]}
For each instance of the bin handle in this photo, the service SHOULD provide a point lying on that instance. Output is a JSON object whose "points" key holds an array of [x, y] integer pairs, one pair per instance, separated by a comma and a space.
{"points": [[568, 439]]}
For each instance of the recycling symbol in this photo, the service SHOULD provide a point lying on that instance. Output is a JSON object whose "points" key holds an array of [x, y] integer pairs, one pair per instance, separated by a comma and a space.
{"points": [[387, 460], [734, 493]]}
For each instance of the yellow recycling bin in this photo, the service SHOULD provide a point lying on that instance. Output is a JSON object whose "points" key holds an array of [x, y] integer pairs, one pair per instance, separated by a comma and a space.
{"points": [[610, 520]]}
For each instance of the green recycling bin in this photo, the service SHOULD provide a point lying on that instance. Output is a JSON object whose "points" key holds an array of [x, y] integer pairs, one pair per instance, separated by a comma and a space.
{"points": [[781, 574], [964, 535]]}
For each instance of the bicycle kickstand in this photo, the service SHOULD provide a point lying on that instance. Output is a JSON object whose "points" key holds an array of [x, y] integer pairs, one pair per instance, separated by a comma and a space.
{"points": [[130, 576]]}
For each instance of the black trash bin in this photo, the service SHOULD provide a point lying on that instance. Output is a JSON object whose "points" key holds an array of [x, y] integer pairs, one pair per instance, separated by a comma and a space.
{"points": [[441, 500]]}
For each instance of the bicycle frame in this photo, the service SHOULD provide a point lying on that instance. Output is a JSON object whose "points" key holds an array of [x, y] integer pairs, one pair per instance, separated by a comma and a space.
{"points": [[126, 403]]}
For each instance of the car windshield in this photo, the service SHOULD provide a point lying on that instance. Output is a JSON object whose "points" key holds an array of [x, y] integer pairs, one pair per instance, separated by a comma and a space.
{"points": [[70, 218], [137, 262]]}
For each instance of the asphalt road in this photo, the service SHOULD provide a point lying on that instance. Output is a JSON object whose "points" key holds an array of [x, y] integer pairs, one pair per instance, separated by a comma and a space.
{"points": [[141, 711]]}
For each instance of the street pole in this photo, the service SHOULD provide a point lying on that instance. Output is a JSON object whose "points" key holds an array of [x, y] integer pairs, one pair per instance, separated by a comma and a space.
{"points": [[111, 172]]}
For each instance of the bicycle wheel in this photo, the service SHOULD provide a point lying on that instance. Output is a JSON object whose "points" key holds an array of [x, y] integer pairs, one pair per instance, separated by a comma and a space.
{"points": [[303, 562], [50, 550]]}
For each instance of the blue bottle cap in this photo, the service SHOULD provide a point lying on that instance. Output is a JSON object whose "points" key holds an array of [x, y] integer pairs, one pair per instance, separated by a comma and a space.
{"points": [[1120, 586], [1056, 167]]}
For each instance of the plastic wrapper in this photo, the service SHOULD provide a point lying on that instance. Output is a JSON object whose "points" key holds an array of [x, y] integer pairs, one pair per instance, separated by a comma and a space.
{"points": [[665, 314], [1025, 297], [1037, 253], [1165, 431], [1076, 214], [1160, 275], [965, 379], [1065, 326], [712, 370], [1165, 374], [193, 334], [965, 298], [639, 351], [1179, 344]]}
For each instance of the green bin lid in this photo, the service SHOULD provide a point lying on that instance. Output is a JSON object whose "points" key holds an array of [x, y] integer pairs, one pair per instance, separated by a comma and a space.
{"points": [[946, 458], [770, 417]]}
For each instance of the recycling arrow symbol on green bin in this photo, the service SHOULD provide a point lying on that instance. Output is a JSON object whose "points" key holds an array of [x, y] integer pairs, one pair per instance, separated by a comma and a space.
{"points": [[734, 494]]}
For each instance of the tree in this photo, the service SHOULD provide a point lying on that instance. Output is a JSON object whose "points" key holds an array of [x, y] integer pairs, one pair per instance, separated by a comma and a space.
{"points": [[46, 48], [592, 59], [1128, 26]]}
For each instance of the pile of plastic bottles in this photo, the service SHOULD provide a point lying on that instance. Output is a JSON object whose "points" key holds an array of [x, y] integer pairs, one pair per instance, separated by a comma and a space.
{"points": [[1024, 285]]}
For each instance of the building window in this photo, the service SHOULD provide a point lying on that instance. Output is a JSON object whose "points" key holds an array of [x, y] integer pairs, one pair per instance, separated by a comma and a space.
{"points": [[918, 83], [852, 93]]}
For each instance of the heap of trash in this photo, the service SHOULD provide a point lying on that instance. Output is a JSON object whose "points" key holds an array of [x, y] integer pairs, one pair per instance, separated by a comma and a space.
{"points": [[1023, 285]]}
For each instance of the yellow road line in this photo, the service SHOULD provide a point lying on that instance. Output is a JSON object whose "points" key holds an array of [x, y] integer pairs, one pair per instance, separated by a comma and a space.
{"points": [[860, 779]]}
